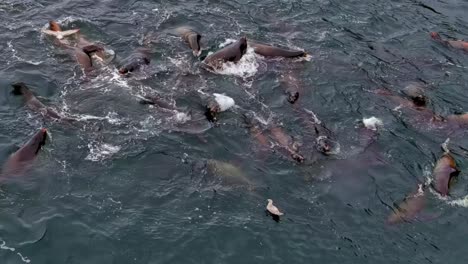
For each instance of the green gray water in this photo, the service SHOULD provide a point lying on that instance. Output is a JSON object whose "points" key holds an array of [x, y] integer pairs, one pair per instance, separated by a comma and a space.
{"points": [[123, 187]]}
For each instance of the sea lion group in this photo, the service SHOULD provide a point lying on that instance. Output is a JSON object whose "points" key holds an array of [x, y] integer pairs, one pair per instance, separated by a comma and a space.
{"points": [[275, 136]]}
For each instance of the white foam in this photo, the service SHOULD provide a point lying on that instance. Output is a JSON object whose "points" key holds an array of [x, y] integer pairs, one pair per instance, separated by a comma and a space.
{"points": [[111, 117], [227, 42], [246, 67], [225, 102], [15, 55], [462, 202], [182, 117], [372, 123], [101, 152]]}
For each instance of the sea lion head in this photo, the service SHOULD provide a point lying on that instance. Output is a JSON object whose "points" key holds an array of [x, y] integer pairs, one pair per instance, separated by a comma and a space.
{"points": [[325, 145], [212, 110], [293, 96], [416, 94], [435, 36], [134, 64], [243, 45], [54, 26], [93, 48], [19, 88]]}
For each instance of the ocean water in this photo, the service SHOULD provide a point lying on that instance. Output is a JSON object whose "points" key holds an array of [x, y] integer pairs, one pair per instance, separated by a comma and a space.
{"points": [[131, 183]]}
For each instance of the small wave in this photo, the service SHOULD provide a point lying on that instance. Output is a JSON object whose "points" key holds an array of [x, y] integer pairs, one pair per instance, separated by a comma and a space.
{"points": [[111, 118], [372, 123], [462, 202], [14, 54], [101, 152]]}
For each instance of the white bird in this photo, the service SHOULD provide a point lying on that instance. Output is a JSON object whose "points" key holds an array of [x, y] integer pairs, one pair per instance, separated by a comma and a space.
{"points": [[273, 209], [60, 34]]}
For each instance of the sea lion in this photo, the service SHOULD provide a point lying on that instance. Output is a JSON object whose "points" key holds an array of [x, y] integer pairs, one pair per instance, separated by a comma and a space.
{"points": [[20, 161], [409, 209], [135, 61], [192, 38], [286, 143], [32, 102], [223, 173], [271, 51], [81, 50], [445, 169], [293, 88], [458, 44], [232, 53]]}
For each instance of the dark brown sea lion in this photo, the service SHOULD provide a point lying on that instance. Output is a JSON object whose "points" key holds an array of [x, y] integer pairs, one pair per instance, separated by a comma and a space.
{"points": [[458, 44], [32, 102], [135, 61], [232, 53], [271, 51], [20, 161], [409, 209], [192, 38]]}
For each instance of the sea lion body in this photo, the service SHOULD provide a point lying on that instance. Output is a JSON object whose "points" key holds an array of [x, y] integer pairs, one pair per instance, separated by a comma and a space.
{"points": [[458, 44], [192, 38], [271, 51], [20, 161], [409, 208], [32, 102], [232, 53], [135, 61]]}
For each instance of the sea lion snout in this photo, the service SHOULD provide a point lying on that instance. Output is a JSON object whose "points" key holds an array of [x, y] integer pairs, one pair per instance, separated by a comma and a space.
{"points": [[435, 36], [54, 26], [18, 88], [212, 110], [293, 96]]}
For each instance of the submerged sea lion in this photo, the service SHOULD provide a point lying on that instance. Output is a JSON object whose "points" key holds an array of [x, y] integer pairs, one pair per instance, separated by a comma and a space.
{"points": [[409, 209], [192, 38], [458, 44], [20, 161], [223, 173], [445, 169], [271, 51], [293, 88], [276, 135], [32, 102], [232, 53], [135, 61]]}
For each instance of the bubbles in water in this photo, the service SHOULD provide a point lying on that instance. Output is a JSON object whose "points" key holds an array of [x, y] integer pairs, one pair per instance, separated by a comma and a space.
{"points": [[101, 151]]}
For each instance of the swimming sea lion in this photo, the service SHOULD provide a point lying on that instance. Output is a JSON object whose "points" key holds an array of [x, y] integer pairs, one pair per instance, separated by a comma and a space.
{"points": [[271, 51], [458, 44], [292, 86], [232, 53], [135, 61], [409, 208], [32, 102], [445, 169], [20, 161], [192, 38]]}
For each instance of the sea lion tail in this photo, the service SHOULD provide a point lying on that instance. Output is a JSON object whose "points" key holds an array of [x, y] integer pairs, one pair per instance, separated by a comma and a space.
{"points": [[54, 26], [19, 88]]}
